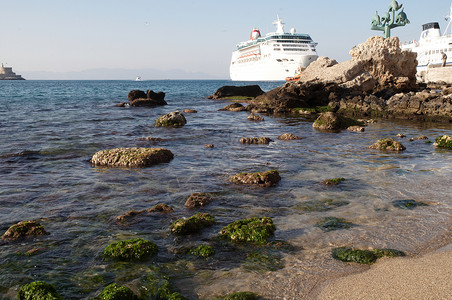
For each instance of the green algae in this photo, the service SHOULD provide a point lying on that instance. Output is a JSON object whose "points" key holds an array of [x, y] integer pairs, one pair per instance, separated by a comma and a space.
{"points": [[263, 260], [254, 230], [333, 223], [241, 296], [388, 144], [333, 181], [158, 287], [264, 179], [444, 141], [133, 249], [364, 256], [407, 204], [320, 205], [193, 224], [24, 229], [116, 292], [202, 251], [38, 290]]}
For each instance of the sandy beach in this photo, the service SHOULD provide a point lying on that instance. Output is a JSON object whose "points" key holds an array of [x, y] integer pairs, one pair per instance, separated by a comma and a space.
{"points": [[425, 277]]}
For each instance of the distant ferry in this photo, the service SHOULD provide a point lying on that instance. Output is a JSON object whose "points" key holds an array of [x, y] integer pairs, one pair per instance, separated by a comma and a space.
{"points": [[432, 46], [274, 57]]}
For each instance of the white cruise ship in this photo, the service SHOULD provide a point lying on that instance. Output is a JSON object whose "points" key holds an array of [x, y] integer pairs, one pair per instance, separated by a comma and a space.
{"points": [[432, 45], [274, 57]]}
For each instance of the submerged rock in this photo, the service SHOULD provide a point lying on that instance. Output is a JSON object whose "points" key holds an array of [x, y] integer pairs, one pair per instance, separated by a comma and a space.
{"points": [[333, 181], [150, 98], [116, 292], [128, 215], [173, 119], [132, 249], [288, 137], [333, 223], [407, 204], [24, 229], [233, 107], [265, 179], [131, 157], [254, 230], [161, 207], [320, 205], [254, 117], [237, 92], [388, 144], [190, 111], [193, 224], [38, 290], [356, 128], [256, 140], [364, 256], [444, 141], [263, 260], [198, 200]]}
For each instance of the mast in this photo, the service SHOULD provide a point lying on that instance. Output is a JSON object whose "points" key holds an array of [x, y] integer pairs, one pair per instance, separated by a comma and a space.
{"points": [[279, 25], [449, 18]]}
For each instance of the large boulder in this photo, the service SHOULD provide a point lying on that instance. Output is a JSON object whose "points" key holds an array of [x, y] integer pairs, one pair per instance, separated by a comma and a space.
{"points": [[24, 229], [173, 119], [333, 122], [131, 157], [248, 91]]}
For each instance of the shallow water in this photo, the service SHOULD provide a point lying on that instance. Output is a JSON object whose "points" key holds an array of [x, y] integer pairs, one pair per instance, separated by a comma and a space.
{"points": [[50, 129]]}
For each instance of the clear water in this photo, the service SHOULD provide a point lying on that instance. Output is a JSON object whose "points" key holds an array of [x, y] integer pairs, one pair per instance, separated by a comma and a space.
{"points": [[50, 129]]}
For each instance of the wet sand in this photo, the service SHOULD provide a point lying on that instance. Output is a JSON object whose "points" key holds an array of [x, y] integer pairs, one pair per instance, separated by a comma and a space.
{"points": [[425, 277]]}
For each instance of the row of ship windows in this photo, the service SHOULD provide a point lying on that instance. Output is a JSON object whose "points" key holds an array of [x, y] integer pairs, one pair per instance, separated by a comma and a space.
{"points": [[293, 42], [437, 51], [290, 49], [257, 58]]}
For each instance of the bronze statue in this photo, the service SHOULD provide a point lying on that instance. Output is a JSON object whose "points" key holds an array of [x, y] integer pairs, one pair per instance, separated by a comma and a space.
{"points": [[389, 19]]}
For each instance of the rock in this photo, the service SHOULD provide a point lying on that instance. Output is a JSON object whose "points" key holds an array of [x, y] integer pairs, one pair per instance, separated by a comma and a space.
{"points": [[161, 208], [422, 137], [38, 290], [288, 137], [320, 205], [190, 111], [262, 260], [332, 223], [193, 224], [24, 229], [407, 204], [256, 140], [387, 144], [363, 256], [356, 128], [333, 181], [202, 251], [151, 139], [122, 104], [132, 249], [446, 91], [173, 119], [131, 157], [401, 135], [444, 141], [150, 98], [264, 179], [241, 296], [233, 107], [333, 122], [128, 215], [209, 146], [237, 92], [198, 200], [116, 292], [254, 230], [254, 117]]}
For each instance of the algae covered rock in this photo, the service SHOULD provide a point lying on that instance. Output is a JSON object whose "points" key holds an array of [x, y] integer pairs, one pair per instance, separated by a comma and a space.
{"points": [[116, 292], [38, 290], [161, 207], [173, 119], [333, 223], [288, 137], [233, 107], [364, 256], [407, 204], [320, 205], [133, 249], [388, 144], [24, 229], [254, 230], [131, 157], [333, 181], [263, 260], [254, 117], [444, 141], [202, 251], [158, 287], [198, 200], [241, 296], [333, 122], [264, 179], [193, 224]]}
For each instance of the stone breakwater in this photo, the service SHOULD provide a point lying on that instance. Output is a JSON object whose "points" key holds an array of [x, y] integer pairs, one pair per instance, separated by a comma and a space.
{"points": [[379, 81]]}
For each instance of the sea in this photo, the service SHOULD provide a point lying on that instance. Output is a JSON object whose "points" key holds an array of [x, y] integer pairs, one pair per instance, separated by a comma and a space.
{"points": [[50, 129]]}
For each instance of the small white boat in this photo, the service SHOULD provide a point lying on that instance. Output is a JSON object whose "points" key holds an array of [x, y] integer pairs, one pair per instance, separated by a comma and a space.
{"points": [[138, 78]]}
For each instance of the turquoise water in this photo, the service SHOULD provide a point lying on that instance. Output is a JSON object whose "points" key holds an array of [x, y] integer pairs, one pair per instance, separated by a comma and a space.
{"points": [[50, 129]]}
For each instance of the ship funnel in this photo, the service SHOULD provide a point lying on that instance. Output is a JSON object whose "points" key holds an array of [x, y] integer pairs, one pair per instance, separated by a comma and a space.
{"points": [[255, 34], [430, 30]]}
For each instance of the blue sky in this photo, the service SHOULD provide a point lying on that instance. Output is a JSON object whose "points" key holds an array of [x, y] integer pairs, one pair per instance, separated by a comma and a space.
{"points": [[193, 36]]}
